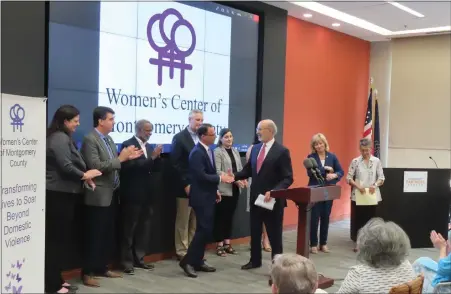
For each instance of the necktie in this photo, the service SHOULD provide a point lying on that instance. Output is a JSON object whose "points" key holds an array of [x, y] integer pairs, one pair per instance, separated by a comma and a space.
{"points": [[110, 151], [261, 157], [211, 157]]}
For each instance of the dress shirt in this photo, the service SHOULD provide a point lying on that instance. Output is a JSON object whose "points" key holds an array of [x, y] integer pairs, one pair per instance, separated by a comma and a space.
{"points": [[143, 145], [268, 146], [193, 135]]}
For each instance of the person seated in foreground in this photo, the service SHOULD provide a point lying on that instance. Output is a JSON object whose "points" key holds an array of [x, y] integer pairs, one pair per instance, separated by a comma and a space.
{"points": [[383, 248], [435, 272], [292, 273]]}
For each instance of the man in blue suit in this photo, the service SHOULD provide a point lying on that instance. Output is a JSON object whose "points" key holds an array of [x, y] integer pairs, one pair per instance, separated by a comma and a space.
{"points": [[203, 197]]}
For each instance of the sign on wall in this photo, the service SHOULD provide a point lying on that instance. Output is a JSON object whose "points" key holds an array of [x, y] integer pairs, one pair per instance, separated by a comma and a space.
{"points": [[23, 136], [415, 181]]}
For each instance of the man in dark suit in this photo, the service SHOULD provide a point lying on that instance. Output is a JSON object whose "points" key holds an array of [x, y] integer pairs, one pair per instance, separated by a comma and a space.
{"points": [[203, 197], [270, 168], [101, 203], [182, 144], [137, 199]]}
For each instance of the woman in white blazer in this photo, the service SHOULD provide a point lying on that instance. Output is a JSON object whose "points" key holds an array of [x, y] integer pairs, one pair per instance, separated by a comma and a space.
{"points": [[227, 159]]}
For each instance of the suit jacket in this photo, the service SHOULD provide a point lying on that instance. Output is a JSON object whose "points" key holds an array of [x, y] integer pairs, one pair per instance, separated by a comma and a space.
{"points": [[276, 172], [96, 155], [182, 144], [204, 179], [136, 176], [332, 161], [223, 164], [64, 164]]}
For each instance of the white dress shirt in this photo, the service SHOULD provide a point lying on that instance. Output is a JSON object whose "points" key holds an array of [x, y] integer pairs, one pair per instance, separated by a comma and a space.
{"points": [[268, 146], [143, 146]]}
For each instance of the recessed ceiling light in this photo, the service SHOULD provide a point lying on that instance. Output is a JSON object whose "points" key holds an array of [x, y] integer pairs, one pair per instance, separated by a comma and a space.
{"points": [[307, 15], [406, 9], [335, 24]]}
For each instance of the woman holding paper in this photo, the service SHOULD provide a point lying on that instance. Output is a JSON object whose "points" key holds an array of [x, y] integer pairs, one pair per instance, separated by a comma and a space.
{"points": [[365, 175], [331, 171]]}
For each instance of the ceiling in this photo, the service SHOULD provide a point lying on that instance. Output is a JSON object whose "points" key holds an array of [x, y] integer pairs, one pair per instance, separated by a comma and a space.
{"points": [[380, 13]]}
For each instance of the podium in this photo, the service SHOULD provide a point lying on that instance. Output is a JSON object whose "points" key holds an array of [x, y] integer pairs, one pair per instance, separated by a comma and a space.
{"points": [[305, 198]]}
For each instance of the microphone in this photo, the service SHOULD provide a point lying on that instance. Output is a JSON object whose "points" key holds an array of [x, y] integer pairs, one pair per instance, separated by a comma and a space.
{"points": [[430, 157], [315, 166], [308, 166]]}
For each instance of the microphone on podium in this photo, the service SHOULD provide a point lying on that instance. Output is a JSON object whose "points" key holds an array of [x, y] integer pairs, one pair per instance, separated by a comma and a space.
{"points": [[308, 166], [315, 167]]}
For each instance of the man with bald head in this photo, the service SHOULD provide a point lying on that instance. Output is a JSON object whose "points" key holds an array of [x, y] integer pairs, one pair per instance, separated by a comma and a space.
{"points": [[269, 166]]}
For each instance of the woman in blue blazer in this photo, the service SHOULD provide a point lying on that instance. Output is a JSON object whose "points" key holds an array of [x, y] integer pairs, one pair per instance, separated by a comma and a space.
{"points": [[332, 172]]}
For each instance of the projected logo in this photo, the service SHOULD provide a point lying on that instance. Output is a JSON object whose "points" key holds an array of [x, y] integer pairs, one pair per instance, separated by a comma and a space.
{"points": [[171, 55]]}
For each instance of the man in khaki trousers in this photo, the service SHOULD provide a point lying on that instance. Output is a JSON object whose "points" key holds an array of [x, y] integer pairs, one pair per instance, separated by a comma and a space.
{"points": [[182, 144]]}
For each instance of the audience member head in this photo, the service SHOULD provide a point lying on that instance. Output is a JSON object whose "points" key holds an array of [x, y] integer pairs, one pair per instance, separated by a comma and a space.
{"points": [[266, 130], [206, 134], [103, 119], [195, 119], [365, 147], [143, 129], [66, 119], [292, 273], [225, 138], [319, 144], [382, 244]]}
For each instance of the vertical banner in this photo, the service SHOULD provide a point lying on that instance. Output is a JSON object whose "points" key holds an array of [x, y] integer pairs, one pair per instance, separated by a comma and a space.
{"points": [[23, 137]]}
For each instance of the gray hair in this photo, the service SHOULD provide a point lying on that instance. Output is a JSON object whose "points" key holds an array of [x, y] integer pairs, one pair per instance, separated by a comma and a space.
{"points": [[382, 244], [365, 143], [292, 273], [194, 112], [139, 125]]}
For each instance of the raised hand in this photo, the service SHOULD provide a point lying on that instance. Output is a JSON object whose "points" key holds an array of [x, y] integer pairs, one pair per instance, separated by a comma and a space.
{"points": [[157, 151], [90, 174]]}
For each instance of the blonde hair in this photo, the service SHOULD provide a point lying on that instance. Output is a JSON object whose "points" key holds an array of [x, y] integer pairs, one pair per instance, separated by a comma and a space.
{"points": [[315, 139]]}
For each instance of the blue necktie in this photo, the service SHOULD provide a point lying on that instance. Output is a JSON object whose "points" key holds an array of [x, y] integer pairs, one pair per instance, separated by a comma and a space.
{"points": [[110, 151], [211, 157]]}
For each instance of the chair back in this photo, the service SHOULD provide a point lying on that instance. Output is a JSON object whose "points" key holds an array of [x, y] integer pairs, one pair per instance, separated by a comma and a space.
{"points": [[444, 287], [413, 287]]}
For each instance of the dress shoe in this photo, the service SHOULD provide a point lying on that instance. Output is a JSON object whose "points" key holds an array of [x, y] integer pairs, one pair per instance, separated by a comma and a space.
{"points": [[129, 271], [111, 274], [189, 270], [249, 266], [145, 266], [90, 281], [205, 268]]}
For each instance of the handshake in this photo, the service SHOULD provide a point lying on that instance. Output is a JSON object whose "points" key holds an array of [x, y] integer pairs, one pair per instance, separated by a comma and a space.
{"points": [[227, 178]]}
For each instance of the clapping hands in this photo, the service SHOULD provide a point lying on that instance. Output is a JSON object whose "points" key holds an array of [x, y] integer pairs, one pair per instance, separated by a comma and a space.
{"points": [[130, 153], [438, 240]]}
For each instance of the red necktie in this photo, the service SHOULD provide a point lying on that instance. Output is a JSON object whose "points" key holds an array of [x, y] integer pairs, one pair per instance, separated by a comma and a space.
{"points": [[261, 157]]}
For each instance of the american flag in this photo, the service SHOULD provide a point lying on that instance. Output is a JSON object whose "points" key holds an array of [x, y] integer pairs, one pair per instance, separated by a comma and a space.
{"points": [[368, 126]]}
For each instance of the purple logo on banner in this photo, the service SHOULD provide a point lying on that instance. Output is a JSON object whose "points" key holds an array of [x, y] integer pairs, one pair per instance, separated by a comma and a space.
{"points": [[171, 55]]}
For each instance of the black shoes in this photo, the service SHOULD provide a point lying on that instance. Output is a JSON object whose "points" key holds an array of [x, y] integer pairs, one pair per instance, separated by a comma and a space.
{"points": [[249, 266]]}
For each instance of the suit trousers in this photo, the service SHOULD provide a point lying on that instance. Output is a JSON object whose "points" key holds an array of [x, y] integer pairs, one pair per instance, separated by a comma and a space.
{"points": [[101, 236], [136, 226], [203, 235], [59, 226], [273, 221], [320, 217], [185, 226]]}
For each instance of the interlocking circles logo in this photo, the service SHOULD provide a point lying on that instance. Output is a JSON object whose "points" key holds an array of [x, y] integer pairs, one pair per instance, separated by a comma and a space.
{"points": [[170, 55]]}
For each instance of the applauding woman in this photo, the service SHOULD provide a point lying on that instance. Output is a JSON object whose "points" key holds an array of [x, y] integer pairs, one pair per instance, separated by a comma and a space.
{"points": [[65, 173], [332, 172], [227, 159]]}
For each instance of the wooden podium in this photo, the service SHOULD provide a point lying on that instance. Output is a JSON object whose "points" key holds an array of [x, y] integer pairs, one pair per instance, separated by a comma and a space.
{"points": [[305, 197]]}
